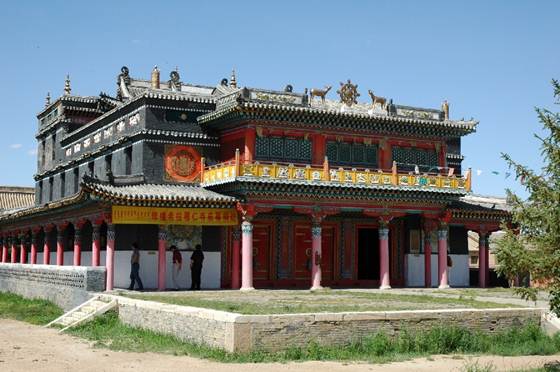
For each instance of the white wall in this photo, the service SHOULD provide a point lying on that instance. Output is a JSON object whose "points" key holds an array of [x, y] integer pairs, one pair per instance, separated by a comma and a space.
{"points": [[210, 279], [458, 273]]}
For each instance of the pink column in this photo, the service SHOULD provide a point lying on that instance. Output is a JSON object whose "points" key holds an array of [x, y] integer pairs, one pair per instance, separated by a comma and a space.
{"points": [[47, 248], [110, 257], [14, 250], [23, 249], [236, 255], [384, 256], [442, 257], [95, 245], [5, 249], [427, 258], [482, 263], [162, 261], [316, 255], [34, 247], [59, 247], [246, 256], [77, 247]]}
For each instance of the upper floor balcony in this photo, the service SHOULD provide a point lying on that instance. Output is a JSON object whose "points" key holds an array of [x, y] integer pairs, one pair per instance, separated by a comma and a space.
{"points": [[260, 171]]}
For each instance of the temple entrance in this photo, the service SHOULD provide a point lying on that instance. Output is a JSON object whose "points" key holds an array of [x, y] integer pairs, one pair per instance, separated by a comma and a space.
{"points": [[368, 254], [262, 240], [328, 236]]}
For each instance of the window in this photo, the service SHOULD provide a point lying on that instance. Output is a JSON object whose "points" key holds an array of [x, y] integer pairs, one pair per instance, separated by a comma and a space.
{"points": [[283, 149], [474, 260], [76, 177], [128, 160], [108, 164], [356, 154], [62, 184], [40, 192], [408, 158], [42, 154], [50, 188], [91, 168], [53, 153]]}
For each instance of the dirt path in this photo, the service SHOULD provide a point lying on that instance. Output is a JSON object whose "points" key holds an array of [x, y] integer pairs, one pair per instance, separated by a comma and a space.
{"points": [[25, 347]]}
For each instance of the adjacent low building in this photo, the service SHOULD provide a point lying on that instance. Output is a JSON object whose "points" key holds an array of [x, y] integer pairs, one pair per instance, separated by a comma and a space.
{"points": [[282, 189]]}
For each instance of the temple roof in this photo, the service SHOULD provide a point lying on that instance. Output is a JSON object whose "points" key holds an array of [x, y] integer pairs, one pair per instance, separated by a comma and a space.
{"points": [[478, 207], [12, 197], [157, 194]]}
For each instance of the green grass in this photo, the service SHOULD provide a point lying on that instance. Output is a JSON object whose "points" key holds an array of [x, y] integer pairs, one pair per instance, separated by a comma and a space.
{"points": [[290, 302], [107, 331], [32, 311]]}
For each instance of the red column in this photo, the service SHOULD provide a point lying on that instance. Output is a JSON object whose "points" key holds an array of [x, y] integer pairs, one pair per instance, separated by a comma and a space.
{"points": [[246, 255], [23, 249], [319, 148], [77, 247], [34, 247], [316, 254], [162, 261], [487, 254], [250, 140], [384, 256], [95, 245], [60, 246], [442, 257], [47, 247], [236, 255], [482, 262], [5, 249], [427, 258], [14, 250], [110, 257]]}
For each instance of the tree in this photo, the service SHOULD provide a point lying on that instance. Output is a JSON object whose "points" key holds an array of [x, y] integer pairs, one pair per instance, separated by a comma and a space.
{"points": [[534, 247]]}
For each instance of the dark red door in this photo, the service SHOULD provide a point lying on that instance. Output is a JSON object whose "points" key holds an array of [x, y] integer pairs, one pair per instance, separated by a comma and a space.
{"points": [[261, 251], [328, 245], [302, 248]]}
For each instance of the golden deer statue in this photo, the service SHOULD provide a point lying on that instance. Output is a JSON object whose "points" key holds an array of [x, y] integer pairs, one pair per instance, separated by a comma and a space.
{"points": [[320, 93], [376, 99]]}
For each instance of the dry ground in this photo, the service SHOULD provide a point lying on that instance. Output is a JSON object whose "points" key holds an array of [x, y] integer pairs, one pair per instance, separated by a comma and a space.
{"points": [[25, 347]]}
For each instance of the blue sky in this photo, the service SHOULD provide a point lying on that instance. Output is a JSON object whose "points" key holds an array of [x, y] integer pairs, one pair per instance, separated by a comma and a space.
{"points": [[492, 60]]}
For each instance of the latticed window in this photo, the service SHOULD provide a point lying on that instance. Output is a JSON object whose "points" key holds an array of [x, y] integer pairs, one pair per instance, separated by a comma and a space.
{"points": [[408, 158], [355, 154], [283, 149]]}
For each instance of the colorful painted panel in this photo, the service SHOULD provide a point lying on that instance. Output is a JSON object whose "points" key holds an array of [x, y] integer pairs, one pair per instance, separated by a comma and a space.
{"points": [[181, 163]]}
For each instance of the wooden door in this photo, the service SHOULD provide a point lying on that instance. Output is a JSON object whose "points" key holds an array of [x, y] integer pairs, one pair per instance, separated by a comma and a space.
{"points": [[302, 251], [328, 244], [261, 251]]}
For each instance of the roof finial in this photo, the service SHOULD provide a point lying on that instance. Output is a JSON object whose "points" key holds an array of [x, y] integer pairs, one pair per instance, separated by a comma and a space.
{"points": [[67, 88], [155, 78], [48, 99], [233, 80]]}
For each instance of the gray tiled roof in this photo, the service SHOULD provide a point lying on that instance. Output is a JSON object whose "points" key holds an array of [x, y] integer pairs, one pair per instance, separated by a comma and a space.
{"points": [[16, 197], [158, 194]]}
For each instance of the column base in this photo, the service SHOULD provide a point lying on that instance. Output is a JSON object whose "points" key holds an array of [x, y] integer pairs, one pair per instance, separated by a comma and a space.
{"points": [[444, 286], [247, 289], [316, 288], [385, 287]]}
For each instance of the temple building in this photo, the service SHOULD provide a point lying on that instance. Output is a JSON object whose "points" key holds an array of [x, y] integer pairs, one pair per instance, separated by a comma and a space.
{"points": [[281, 188]]}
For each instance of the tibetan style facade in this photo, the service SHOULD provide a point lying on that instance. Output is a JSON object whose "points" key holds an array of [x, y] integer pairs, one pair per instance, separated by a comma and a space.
{"points": [[282, 189]]}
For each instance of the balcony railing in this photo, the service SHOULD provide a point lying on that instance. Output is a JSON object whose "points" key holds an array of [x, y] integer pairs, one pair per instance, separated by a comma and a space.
{"points": [[326, 175]]}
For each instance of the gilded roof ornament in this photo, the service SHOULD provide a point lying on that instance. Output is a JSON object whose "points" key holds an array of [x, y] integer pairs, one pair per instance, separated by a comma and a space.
{"points": [[233, 80], [348, 93], [445, 109], [67, 89]]}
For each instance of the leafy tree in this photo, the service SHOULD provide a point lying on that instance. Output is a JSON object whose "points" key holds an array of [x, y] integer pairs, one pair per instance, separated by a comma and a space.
{"points": [[535, 247]]}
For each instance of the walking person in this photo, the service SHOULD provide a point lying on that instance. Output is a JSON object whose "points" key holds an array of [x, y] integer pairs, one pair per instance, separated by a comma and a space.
{"points": [[177, 266], [196, 267], [135, 268]]}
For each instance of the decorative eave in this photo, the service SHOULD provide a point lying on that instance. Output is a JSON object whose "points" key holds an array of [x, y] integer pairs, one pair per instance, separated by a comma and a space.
{"points": [[157, 195], [318, 117], [384, 193]]}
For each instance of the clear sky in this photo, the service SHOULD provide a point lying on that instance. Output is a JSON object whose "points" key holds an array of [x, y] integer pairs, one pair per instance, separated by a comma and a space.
{"points": [[492, 60]]}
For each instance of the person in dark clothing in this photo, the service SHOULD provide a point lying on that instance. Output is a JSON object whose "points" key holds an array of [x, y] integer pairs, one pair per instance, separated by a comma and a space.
{"points": [[135, 268], [196, 267]]}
